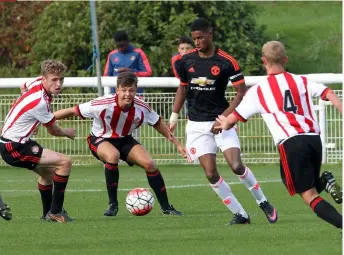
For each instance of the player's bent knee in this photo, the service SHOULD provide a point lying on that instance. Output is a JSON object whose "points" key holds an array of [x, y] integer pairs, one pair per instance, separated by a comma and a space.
{"points": [[309, 195], [149, 166], [213, 176], [238, 168], [111, 158], [65, 165]]}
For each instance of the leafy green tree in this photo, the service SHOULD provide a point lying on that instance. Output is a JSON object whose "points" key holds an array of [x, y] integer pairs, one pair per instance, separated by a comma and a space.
{"points": [[63, 31], [15, 27]]}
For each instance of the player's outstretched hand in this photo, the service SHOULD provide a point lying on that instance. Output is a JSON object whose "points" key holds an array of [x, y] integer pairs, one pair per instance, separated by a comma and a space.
{"points": [[216, 128], [70, 133], [181, 150], [221, 122]]}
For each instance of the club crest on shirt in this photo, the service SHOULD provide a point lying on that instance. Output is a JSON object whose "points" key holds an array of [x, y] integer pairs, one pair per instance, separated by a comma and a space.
{"points": [[136, 120], [193, 150], [215, 70], [35, 149], [132, 58]]}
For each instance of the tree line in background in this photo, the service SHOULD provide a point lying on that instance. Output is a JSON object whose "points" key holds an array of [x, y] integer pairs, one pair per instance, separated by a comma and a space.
{"points": [[34, 31]]}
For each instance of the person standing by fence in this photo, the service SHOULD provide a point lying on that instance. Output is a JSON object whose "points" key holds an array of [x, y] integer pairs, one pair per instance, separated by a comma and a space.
{"points": [[126, 58]]}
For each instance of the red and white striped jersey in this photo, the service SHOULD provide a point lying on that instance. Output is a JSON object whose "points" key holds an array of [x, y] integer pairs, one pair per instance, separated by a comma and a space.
{"points": [[285, 102], [110, 121], [28, 111]]}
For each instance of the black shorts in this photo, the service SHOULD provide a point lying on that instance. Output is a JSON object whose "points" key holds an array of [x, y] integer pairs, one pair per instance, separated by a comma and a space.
{"points": [[122, 144], [300, 162], [25, 155]]}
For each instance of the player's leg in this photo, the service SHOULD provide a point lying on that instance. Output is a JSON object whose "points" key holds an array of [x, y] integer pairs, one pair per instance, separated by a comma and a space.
{"points": [[299, 175], [109, 154], [139, 156], [222, 189], [45, 187], [5, 210], [229, 144], [322, 208], [326, 181], [61, 164], [201, 145]]}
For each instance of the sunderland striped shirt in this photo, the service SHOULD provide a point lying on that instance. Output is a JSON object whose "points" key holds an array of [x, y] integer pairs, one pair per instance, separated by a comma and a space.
{"points": [[28, 111], [285, 102], [109, 121]]}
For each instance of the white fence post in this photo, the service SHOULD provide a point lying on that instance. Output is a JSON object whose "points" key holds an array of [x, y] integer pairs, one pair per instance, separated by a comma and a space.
{"points": [[322, 123]]}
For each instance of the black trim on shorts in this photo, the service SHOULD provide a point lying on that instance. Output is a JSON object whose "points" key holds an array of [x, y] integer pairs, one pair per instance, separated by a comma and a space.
{"points": [[300, 162], [24, 155], [122, 144]]}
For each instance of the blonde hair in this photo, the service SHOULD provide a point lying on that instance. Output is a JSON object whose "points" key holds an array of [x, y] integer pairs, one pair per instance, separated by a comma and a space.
{"points": [[52, 67], [274, 52]]}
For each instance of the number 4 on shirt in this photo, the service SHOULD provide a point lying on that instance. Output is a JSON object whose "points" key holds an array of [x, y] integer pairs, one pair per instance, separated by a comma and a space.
{"points": [[289, 105]]}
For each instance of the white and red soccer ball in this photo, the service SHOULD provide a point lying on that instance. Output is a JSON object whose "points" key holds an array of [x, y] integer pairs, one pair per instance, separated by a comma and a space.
{"points": [[139, 201]]}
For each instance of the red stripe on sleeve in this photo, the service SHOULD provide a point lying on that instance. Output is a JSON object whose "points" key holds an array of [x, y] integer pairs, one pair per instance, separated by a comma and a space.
{"points": [[146, 64], [108, 62], [51, 122], [238, 116], [77, 109], [324, 93], [173, 62]]}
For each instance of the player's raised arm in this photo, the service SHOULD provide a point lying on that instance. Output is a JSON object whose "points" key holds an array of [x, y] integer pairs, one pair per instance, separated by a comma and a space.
{"points": [[335, 100], [164, 130]]}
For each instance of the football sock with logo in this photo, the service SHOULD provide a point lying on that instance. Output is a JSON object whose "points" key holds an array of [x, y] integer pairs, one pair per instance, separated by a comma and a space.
{"points": [[156, 182], [111, 177], [46, 196], [252, 185], [223, 190], [327, 212], [60, 184]]}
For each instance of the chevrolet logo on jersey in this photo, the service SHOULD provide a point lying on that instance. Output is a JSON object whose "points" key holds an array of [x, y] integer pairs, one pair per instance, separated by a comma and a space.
{"points": [[202, 81]]}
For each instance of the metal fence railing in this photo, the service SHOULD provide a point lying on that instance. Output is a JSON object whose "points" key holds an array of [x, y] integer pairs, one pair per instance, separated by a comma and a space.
{"points": [[256, 142]]}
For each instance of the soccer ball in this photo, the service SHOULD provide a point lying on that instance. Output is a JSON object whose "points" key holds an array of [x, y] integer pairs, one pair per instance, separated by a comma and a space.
{"points": [[139, 201]]}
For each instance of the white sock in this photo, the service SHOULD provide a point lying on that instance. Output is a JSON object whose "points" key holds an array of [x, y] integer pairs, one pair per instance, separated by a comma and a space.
{"points": [[253, 186], [223, 190]]}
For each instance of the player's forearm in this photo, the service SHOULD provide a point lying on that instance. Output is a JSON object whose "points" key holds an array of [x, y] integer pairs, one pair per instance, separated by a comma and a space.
{"points": [[335, 100], [179, 99], [55, 130], [236, 101], [65, 113], [163, 130]]}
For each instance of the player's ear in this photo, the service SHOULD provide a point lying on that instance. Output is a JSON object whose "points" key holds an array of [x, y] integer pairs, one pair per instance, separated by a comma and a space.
{"points": [[265, 62], [285, 60]]}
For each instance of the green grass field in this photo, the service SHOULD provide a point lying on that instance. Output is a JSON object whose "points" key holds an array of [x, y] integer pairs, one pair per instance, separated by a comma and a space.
{"points": [[201, 230], [311, 31]]}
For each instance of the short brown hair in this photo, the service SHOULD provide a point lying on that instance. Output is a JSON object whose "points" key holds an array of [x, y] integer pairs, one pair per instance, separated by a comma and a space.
{"points": [[274, 52], [126, 79], [52, 67]]}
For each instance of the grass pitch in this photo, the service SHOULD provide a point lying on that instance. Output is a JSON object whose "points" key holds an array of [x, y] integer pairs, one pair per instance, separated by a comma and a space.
{"points": [[201, 230]]}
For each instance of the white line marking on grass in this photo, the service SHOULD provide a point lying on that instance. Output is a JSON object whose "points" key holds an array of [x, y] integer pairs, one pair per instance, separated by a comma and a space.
{"points": [[128, 189]]}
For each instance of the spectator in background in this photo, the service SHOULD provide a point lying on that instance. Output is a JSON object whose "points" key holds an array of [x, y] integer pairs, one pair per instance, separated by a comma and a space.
{"points": [[126, 58], [185, 45]]}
